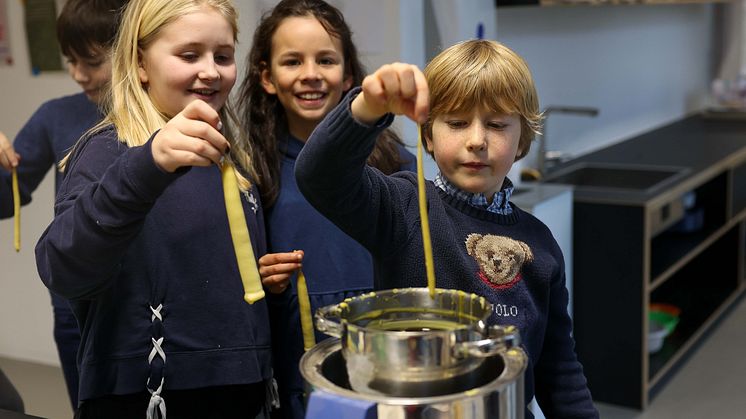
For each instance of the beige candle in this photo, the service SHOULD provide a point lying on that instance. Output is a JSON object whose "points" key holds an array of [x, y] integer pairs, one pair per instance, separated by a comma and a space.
{"points": [[306, 322], [250, 278]]}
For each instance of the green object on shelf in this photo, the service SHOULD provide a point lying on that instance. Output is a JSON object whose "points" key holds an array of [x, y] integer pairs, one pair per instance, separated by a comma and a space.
{"points": [[667, 320]]}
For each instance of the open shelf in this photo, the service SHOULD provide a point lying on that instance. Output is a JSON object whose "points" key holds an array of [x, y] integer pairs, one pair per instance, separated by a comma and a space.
{"points": [[621, 267], [739, 189], [684, 245], [699, 292], [707, 215]]}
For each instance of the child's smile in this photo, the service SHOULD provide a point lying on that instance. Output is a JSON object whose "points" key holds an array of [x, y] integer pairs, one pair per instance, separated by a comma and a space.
{"points": [[306, 72], [188, 62], [311, 99]]}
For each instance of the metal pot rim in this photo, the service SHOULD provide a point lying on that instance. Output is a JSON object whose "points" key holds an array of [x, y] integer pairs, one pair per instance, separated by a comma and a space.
{"points": [[335, 329], [515, 361]]}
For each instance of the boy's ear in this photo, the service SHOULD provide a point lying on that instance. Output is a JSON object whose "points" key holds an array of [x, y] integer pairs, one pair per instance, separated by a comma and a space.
{"points": [[428, 142], [141, 68], [267, 83], [518, 153]]}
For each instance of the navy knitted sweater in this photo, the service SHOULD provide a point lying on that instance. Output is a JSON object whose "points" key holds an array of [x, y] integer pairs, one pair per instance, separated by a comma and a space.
{"points": [[145, 255], [43, 141], [512, 260]]}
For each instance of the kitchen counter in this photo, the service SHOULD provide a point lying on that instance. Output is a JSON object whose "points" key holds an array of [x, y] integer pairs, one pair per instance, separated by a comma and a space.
{"points": [[645, 236], [701, 146], [528, 195]]}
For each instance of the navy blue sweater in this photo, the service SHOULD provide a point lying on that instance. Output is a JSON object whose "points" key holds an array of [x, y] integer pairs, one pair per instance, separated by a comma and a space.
{"points": [[330, 256], [145, 255], [43, 141], [512, 260]]}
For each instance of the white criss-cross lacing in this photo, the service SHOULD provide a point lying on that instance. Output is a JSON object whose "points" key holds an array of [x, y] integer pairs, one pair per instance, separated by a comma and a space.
{"points": [[156, 404]]}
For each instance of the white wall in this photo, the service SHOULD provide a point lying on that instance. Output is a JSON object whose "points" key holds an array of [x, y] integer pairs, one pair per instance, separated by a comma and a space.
{"points": [[641, 66]]}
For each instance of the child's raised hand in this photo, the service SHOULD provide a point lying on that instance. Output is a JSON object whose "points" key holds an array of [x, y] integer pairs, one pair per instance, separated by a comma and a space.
{"points": [[397, 88], [276, 268], [191, 138]]}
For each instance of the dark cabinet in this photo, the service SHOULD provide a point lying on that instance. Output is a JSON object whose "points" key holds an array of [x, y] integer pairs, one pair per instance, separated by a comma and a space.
{"points": [[623, 263]]}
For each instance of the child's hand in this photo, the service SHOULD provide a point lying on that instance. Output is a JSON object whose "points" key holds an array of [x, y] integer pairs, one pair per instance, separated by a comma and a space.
{"points": [[8, 156], [397, 88], [191, 138], [276, 268]]}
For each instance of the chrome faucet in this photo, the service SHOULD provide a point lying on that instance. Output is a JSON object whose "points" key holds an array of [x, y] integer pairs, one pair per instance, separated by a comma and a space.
{"points": [[545, 155]]}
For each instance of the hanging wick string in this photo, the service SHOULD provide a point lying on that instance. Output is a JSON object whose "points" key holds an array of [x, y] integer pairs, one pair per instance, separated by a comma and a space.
{"points": [[425, 223], [306, 321], [16, 211]]}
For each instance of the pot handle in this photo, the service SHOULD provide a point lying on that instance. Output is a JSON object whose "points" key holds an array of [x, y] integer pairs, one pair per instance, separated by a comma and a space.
{"points": [[325, 324], [499, 339]]}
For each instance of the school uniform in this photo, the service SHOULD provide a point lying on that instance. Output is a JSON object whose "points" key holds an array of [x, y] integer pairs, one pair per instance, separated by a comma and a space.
{"points": [[510, 258], [147, 260]]}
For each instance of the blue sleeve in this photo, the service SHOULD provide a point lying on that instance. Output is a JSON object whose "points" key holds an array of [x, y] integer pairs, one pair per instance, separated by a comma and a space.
{"points": [[107, 191], [34, 144], [332, 174]]}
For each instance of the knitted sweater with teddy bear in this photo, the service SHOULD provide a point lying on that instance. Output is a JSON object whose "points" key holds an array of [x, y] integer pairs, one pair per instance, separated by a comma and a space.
{"points": [[512, 260]]}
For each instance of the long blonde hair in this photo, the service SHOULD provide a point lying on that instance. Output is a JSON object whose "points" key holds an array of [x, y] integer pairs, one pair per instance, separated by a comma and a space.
{"points": [[128, 106]]}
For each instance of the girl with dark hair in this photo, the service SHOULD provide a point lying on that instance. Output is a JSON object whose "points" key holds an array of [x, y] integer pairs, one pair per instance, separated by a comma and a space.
{"points": [[302, 62]]}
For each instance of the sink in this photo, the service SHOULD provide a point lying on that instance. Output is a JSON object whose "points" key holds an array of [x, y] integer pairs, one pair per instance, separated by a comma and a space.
{"points": [[617, 176]]}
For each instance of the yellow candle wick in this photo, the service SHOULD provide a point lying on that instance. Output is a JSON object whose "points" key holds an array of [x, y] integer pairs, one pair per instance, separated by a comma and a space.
{"points": [[306, 322], [247, 267], [425, 223], [16, 211]]}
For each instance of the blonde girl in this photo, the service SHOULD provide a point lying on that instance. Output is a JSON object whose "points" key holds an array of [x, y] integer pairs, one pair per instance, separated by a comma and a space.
{"points": [[140, 241]]}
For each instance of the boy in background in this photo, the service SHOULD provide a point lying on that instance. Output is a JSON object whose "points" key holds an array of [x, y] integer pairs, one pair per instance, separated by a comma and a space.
{"points": [[85, 31]]}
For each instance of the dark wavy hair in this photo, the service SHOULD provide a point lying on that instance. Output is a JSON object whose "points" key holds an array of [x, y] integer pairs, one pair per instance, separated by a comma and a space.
{"points": [[263, 115]]}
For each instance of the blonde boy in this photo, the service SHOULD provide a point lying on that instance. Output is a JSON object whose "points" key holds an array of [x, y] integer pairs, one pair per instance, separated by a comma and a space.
{"points": [[483, 114]]}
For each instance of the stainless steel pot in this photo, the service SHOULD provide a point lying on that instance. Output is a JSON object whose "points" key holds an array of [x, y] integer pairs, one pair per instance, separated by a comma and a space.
{"points": [[397, 339], [494, 390]]}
